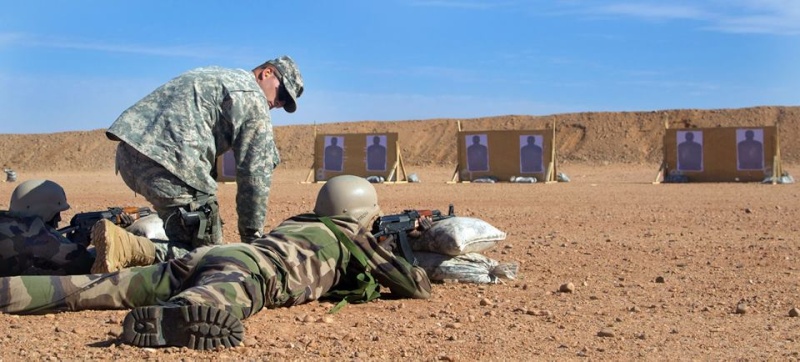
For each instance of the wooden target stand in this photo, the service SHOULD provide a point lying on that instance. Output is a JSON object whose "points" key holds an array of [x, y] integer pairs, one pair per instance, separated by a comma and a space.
{"points": [[777, 167], [550, 174], [662, 169], [398, 174]]}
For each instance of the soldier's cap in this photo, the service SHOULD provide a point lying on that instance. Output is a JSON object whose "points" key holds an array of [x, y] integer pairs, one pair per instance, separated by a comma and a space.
{"points": [[290, 78]]}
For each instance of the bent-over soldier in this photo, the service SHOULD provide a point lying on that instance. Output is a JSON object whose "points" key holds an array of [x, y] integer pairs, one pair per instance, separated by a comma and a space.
{"points": [[171, 138]]}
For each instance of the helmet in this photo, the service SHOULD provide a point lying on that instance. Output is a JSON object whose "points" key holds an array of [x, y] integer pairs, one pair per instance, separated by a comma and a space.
{"points": [[348, 195], [42, 198]]}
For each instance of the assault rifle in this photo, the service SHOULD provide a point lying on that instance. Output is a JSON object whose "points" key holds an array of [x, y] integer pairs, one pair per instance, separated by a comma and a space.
{"points": [[80, 227], [400, 224]]}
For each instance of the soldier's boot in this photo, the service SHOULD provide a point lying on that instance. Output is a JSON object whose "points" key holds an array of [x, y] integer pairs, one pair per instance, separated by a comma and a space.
{"points": [[116, 248], [193, 326]]}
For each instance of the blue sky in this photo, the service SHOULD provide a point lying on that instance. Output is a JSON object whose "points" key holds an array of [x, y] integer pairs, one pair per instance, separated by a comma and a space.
{"points": [[76, 65]]}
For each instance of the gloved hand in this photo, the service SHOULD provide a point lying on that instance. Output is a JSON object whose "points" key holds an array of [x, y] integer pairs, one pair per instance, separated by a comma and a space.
{"points": [[423, 223], [125, 219]]}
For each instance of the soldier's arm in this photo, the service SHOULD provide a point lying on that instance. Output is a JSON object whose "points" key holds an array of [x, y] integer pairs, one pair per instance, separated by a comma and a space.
{"points": [[256, 156], [394, 272]]}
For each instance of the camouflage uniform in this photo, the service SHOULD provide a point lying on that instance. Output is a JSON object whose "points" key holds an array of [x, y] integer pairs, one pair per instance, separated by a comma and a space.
{"points": [[172, 137], [299, 261], [28, 246]]}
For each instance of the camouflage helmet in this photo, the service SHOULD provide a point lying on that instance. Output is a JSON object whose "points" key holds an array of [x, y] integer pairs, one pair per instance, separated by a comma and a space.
{"points": [[348, 195], [42, 198]]}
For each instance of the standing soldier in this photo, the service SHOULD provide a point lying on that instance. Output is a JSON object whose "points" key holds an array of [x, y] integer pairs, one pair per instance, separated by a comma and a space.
{"points": [[171, 139], [199, 301]]}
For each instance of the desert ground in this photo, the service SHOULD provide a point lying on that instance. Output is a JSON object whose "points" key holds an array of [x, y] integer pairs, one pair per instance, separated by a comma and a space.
{"points": [[697, 271]]}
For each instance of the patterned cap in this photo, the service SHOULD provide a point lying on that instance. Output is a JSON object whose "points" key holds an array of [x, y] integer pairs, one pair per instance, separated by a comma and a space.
{"points": [[291, 79]]}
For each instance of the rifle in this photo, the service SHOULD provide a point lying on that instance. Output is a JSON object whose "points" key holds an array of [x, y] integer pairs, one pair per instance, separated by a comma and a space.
{"points": [[80, 227], [400, 224]]}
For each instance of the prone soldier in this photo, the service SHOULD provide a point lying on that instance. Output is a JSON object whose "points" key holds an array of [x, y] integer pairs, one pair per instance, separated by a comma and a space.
{"points": [[30, 243], [199, 301]]}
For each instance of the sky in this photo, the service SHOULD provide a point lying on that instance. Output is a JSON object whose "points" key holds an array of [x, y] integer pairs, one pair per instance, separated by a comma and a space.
{"points": [[77, 65]]}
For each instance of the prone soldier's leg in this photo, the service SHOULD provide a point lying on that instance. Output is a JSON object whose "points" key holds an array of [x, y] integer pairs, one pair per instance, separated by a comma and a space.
{"points": [[124, 289], [235, 277], [228, 284]]}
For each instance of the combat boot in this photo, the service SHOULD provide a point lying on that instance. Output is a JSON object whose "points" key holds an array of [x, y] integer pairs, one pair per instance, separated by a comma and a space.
{"points": [[193, 326], [116, 248]]}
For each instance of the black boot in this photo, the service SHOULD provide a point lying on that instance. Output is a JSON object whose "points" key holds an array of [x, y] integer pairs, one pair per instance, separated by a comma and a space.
{"points": [[194, 326]]}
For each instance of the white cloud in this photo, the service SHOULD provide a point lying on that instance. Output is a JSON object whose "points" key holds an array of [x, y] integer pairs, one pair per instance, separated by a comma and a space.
{"points": [[780, 17], [653, 11], [764, 16]]}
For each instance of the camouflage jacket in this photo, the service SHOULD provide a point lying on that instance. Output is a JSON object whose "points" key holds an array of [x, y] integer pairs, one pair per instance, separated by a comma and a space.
{"points": [[199, 115], [313, 262], [28, 246]]}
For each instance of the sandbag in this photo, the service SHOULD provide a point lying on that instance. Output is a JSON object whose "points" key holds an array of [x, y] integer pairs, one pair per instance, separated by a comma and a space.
{"points": [[150, 226], [457, 236], [467, 268]]}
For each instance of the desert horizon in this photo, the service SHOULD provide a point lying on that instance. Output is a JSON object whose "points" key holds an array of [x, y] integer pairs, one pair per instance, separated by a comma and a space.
{"points": [[691, 271], [590, 137]]}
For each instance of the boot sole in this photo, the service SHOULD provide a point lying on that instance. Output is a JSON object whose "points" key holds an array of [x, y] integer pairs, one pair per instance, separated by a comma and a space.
{"points": [[105, 247], [194, 326]]}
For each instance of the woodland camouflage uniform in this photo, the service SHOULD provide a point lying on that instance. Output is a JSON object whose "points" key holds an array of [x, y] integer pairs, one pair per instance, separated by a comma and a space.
{"points": [[299, 261], [173, 136], [29, 246]]}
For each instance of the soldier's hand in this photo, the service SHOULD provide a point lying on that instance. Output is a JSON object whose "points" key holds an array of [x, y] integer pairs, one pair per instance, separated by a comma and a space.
{"points": [[422, 224], [389, 243], [125, 219], [423, 289], [425, 223]]}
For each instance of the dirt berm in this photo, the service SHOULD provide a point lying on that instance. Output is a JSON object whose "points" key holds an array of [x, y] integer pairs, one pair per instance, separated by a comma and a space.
{"points": [[594, 137]]}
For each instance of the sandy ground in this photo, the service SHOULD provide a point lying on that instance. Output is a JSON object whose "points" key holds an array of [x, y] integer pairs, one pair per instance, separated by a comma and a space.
{"points": [[660, 272]]}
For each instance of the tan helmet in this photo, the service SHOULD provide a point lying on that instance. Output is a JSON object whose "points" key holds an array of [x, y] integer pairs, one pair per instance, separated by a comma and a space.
{"points": [[348, 195], [43, 198]]}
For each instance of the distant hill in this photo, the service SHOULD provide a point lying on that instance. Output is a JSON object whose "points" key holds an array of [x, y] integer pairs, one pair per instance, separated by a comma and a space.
{"points": [[592, 137]]}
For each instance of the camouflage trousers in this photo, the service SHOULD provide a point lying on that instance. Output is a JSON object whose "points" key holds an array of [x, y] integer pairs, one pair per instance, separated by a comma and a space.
{"points": [[167, 250], [239, 278], [169, 195]]}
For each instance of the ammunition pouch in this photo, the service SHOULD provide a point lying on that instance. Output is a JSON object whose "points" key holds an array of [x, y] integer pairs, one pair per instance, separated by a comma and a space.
{"points": [[202, 221]]}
